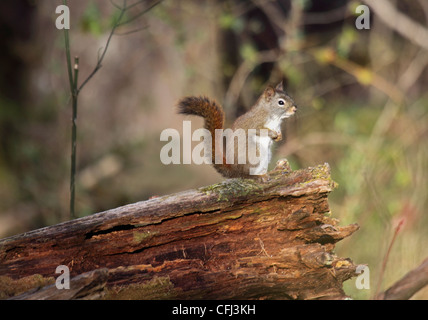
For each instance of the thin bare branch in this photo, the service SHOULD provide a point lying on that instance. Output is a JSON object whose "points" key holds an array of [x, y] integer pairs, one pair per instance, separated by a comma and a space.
{"points": [[135, 4], [407, 286], [151, 6], [400, 22], [388, 252], [115, 5], [413, 71], [67, 53], [101, 58], [243, 72], [131, 31], [117, 24]]}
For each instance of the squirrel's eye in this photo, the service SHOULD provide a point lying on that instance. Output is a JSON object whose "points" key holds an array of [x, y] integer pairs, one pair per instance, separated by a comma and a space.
{"points": [[281, 102]]}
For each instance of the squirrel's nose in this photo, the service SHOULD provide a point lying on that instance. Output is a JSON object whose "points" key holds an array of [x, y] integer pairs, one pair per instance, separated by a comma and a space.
{"points": [[293, 108]]}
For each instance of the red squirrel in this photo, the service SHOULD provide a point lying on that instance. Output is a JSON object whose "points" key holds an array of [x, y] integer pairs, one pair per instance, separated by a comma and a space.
{"points": [[273, 106]]}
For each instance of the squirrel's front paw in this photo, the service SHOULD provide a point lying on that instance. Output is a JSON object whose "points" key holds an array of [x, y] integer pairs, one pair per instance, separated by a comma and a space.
{"points": [[278, 137], [275, 136]]}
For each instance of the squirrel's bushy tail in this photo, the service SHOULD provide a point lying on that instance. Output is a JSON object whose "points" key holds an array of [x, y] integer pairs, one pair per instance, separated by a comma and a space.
{"points": [[213, 115], [205, 108]]}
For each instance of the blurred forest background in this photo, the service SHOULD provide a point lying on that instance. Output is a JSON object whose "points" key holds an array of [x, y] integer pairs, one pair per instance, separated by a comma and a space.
{"points": [[362, 97]]}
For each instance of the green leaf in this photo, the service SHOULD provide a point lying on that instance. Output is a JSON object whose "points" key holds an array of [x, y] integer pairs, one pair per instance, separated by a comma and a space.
{"points": [[229, 21], [346, 39], [248, 52], [91, 19]]}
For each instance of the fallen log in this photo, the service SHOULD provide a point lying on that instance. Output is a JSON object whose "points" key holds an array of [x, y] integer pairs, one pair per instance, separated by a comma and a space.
{"points": [[238, 239]]}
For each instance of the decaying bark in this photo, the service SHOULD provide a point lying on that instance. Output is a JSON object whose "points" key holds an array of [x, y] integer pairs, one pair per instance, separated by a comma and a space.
{"points": [[89, 285], [238, 239]]}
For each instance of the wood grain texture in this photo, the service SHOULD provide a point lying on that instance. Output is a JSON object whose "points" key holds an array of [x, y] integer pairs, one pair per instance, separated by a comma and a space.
{"points": [[238, 239]]}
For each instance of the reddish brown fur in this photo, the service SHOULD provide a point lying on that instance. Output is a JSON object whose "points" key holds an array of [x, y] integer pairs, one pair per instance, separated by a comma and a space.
{"points": [[214, 119]]}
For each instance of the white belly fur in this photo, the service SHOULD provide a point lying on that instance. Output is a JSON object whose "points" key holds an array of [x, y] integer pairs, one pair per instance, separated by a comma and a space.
{"points": [[274, 124], [265, 155], [265, 144]]}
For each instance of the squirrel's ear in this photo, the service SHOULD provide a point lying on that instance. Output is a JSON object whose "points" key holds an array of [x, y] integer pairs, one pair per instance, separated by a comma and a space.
{"points": [[269, 92], [279, 87]]}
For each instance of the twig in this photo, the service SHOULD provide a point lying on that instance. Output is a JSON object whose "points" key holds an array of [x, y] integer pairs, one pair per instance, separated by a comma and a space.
{"points": [[413, 71], [115, 5], [131, 31], [73, 84], [101, 58], [67, 53], [73, 79], [75, 89], [243, 72], [407, 286], [137, 3], [151, 6], [401, 23], [73, 137], [385, 259], [364, 75]]}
